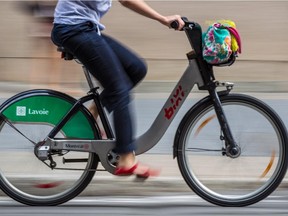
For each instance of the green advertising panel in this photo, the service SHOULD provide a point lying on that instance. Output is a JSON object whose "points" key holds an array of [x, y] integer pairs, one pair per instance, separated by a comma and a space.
{"points": [[45, 109]]}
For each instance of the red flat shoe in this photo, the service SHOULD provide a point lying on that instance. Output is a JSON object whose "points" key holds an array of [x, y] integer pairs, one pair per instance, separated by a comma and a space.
{"points": [[121, 171]]}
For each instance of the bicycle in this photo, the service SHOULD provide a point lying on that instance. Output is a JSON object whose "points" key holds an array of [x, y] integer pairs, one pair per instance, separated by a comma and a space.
{"points": [[240, 138]]}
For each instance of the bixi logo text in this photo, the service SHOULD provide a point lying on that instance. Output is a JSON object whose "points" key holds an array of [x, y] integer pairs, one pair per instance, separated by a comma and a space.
{"points": [[24, 111], [175, 100]]}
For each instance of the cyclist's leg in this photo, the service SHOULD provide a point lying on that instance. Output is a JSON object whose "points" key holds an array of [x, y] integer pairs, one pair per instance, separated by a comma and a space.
{"points": [[135, 68], [93, 51], [133, 65], [96, 54]]}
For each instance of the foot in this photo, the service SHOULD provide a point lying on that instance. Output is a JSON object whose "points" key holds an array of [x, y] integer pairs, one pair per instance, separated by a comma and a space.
{"points": [[138, 169]]}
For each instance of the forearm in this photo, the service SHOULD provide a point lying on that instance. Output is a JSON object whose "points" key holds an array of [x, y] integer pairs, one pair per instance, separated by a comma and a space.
{"points": [[144, 9], [140, 7]]}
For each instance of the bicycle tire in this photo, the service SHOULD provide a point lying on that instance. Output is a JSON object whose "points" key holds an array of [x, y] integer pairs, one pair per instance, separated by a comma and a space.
{"points": [[23, 176], [220, 179]]}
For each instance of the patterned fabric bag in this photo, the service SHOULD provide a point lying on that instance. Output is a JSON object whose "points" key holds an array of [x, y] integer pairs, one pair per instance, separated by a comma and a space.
{"points": [[220, 41]]}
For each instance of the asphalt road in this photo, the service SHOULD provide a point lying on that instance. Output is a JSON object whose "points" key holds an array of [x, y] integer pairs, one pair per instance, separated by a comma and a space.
{"points": [[276, 204]]}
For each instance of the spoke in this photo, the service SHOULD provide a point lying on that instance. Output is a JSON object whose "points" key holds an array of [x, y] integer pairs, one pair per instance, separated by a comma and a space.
{"points": [[12, 126], [202, 149]]}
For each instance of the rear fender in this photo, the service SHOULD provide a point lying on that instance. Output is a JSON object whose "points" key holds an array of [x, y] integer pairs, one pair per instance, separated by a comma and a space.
{"points": [[49, 107]]}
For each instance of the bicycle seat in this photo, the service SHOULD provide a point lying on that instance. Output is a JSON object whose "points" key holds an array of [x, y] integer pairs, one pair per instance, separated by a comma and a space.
{"points": [[66, 55]]}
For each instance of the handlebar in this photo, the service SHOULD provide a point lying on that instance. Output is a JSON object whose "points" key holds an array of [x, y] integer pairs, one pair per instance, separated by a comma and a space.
{"points": [[188, 24], [174, 24]]}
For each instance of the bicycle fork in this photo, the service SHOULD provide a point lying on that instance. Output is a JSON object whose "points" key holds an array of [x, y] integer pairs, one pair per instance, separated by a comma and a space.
{"points": [[232, 149]]}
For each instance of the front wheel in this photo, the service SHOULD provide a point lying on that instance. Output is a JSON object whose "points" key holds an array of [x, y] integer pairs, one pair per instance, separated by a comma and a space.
{"points": [[223, 180]]}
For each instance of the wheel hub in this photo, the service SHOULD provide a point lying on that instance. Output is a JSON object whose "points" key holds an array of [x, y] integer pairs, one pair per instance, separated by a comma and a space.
{"points": [[233, 152]]}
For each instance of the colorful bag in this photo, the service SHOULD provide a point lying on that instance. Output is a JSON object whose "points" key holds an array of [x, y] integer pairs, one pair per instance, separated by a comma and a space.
{"points": [[220, 41]]}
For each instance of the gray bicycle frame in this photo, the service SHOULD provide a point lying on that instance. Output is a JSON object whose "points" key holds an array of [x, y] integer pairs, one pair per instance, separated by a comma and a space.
{"points": [[150, 138]]}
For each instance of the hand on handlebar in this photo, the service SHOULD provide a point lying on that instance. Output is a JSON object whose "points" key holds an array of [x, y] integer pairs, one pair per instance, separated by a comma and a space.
{"points": [[174, 19], [178, 25]]}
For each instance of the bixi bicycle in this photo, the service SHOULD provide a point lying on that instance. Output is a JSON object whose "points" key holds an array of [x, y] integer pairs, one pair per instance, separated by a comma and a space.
{"points": [[231, 148]]}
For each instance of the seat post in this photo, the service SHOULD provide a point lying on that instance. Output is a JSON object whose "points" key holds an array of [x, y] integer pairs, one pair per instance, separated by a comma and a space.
{"points": [[88, 77], [66, 55]]}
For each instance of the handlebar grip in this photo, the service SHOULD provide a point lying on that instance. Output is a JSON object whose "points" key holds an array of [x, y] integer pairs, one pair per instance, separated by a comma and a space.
{"points": [[174, 24]]}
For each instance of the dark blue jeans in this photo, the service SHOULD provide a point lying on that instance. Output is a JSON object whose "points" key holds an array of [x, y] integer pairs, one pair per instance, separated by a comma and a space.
{"points": [[114, 66]]}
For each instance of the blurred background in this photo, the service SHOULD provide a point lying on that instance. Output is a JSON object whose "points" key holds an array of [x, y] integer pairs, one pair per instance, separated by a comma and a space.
{"points": [[28, 57]]}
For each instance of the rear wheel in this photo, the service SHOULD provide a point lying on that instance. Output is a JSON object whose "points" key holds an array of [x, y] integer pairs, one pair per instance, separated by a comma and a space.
{"points": [[23, 176], [227, 181]]}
